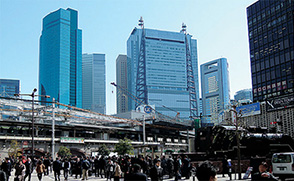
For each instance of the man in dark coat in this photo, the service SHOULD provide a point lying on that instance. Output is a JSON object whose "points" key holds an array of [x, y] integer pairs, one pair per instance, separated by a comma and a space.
{"points": [[156, 172], [47, 164], [56, 168], [102, 166], [29, 169], [136, 174], [6, 167]]}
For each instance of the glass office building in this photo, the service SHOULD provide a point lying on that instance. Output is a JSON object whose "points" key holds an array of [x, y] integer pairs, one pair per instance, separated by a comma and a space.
{"points": [[60, 66], [215, 87], [9, 87], [271, 42], [166, 74], [94, 83], [122, 81], [245, 94]]}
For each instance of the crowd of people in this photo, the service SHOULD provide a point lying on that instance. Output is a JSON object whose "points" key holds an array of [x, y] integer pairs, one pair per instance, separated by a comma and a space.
{"points": [[110, 168], [115, 168]]}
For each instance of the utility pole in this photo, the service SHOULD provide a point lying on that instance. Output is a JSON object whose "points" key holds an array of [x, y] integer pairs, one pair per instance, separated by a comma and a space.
{"points": [[33, 95], [53, 128], [238, 141]]}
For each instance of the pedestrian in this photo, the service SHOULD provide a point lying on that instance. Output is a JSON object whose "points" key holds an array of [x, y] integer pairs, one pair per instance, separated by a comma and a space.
{"points": [[109, 169], [47, 164], [6, 167], [78, 168], [40, 169], [3, 175], [117, 171], [102, 167], [156, 172], [178, 166], [170, 167], [206, 172], [19, 171], [57, 168], [29, 169], [85, 167], [186, 168], [96, 165], [263, 174], [136, 174], [66, 167]]}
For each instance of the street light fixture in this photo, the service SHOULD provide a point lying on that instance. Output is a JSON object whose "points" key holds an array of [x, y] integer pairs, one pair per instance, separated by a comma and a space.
{"points": [[33, 95]]}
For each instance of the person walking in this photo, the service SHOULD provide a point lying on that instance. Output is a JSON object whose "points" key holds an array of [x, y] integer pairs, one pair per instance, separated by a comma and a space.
{"points": [[156, 172], [47, 164], [40, 169], [117, 171], [85, 167], [19, 171], [6, 167], [29, 169], [57, 168], [66, 167], [136, 174]]}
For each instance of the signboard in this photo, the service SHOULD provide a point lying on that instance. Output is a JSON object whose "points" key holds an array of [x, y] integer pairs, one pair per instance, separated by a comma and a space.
{"points": [[280, 103], [71, 140], [249, 110]]}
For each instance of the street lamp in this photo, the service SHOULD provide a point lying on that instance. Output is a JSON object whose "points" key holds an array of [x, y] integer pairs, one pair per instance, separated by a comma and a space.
{"points": [[33, 95]]}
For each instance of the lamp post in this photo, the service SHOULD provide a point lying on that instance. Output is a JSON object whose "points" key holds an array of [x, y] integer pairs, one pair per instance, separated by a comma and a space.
{"points": [[33, 95]]}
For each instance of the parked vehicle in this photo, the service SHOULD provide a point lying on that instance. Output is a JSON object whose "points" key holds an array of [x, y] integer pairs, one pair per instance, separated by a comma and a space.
{"points": [[283, 165]]}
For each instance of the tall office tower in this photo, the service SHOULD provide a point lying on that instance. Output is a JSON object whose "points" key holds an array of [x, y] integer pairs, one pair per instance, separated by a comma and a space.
{"points": [[60, 68], [122, 81], [9, 87], [245, 94], [215, 87], [271, 42], [94, 82], [165, 69]]}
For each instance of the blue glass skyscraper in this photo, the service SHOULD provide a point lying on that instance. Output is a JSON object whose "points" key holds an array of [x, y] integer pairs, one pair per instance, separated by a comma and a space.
{"points": [[60, 66], [245, 94], [9, 87], [166, 70], [94, 88], [215, 87]]}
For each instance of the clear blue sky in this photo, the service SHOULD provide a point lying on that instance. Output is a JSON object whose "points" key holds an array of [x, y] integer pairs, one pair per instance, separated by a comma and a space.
{"points": [[220, 26]]}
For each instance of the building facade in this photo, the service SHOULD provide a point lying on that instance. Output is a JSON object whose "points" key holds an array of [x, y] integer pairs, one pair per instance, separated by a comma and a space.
{"points": [[94, 82], [215, 87], [271, 35], [244, 95], [9, 87], [60, 66], [166, 73], [122, 81]]}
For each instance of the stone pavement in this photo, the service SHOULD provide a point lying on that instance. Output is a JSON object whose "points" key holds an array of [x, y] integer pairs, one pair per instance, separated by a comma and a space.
{"points": [[51, 178]]}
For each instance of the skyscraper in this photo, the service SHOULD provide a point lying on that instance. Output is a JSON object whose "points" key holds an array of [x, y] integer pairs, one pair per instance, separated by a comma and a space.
{"points": [[245, 94], [215, 87], [166, 69], [9, 87], [94, 87], [122, 81], [60, 67], [271, 42]]}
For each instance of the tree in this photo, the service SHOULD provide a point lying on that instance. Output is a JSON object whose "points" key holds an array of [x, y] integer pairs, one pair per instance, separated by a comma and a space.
{"points": [[14, 149], [124, 147], [103, 150], [64, 151]]}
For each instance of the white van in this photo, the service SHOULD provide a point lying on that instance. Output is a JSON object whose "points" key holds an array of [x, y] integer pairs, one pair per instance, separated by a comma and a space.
{"points": [[283, 165]]}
